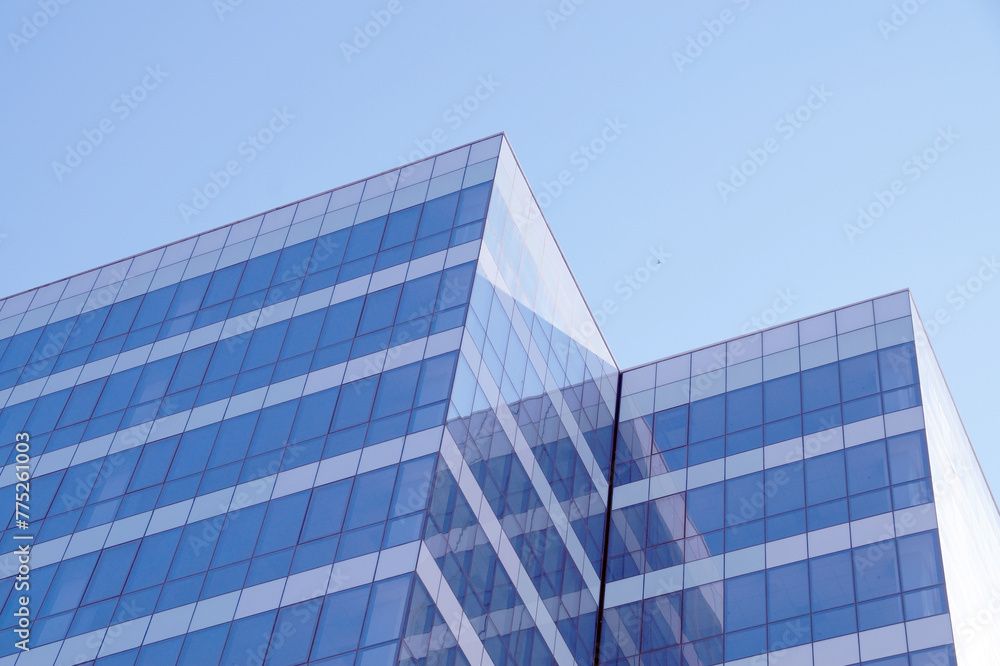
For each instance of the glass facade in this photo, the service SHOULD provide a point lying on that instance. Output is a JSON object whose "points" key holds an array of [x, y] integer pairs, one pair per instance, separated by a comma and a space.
{"points": [[775, 502], [381, 426]]}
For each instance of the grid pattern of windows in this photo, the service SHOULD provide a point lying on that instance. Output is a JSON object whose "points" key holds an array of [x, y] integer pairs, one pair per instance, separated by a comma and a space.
{"points": [[532, 420], [381, 426], [773, 495], [235, 437]]}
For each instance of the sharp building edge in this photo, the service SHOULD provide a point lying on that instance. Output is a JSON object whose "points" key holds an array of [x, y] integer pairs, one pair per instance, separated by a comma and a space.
{"points": [[381, 425]]}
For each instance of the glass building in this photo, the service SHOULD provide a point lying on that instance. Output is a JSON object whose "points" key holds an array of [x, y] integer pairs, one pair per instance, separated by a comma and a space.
{"points": [[381, 426]]}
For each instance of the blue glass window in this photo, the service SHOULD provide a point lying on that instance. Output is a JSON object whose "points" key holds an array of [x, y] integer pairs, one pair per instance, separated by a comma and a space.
{"points": [[708, 418], [870, 504], [228, 357], [875, 570], [153, 560], [746, 643], [746, 602], [703, 611], [396, 390], [472, 205], [831, 581], [111, 571], [782, 398], [313, 416], [194, 554], [341, 321], [81, 403], [365, 239], [745, 499], [744, 408], [193, 451], [661, 622], [788, 591], [941, 656], [435, 379], [291, 641], [387, 610], [282, 522], [19, 349], [380, 310], [273, 427], [925, 603], [402, 227], [188, 296], [826, 478], [370, 498], [258, 274], [223, 285], [294, 262], [248, 638], [898, 366], [118, 391], [705, 509], [867, 467], [68, 585], [329, 250], [833, 623], [784, 488], [880, 613], [859, 376], [820, 387], [204, 647], [438, 215], [237, 535], [233, 440], [326, 510], [340, 624], [154, 307], [670, 428], [908, 457], [355, 403], [413, 486], [120, 318], [919, 561]]}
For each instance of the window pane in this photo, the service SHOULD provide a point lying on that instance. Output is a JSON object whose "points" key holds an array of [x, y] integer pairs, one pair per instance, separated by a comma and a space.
{"points": [[859, 376], [340, 624], [867, 467], [703, 611], [746, 602], [875, 570], [919, 561], [831, 579], [385, 615], [788, 591], [908, 457]]}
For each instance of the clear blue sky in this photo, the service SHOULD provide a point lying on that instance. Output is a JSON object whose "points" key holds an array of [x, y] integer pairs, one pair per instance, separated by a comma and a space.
{"points": [[181, 86]]}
